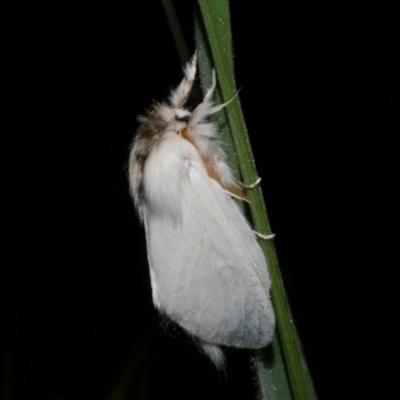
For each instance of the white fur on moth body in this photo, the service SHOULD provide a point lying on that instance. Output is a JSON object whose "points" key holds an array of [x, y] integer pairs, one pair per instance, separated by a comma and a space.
{"points": [[208, 273]]}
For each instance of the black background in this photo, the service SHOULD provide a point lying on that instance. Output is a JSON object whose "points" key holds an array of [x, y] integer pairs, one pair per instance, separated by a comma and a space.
{"points": [[320, 97]]}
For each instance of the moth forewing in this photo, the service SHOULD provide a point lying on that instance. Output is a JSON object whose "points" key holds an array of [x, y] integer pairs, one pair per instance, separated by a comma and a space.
{"points": [[207, 270]]}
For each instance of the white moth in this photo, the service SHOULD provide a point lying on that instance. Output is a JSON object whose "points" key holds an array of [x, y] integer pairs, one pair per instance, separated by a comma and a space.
{"points": [[208, 273]]}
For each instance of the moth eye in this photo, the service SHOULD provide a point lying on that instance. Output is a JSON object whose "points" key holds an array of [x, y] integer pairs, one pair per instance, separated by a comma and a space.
{"points": [[185, 118]]}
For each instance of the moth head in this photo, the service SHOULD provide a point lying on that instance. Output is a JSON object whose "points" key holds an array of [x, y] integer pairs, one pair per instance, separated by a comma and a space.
{"points": [[175, 112], [166, 119], [171, 116]]}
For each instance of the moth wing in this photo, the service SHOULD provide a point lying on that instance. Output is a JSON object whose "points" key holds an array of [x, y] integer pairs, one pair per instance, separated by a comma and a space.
{"points": [[208, 272]]}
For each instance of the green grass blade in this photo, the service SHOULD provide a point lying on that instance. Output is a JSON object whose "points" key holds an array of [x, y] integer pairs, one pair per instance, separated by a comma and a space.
{"points": [[215, 16], [206, 66]]}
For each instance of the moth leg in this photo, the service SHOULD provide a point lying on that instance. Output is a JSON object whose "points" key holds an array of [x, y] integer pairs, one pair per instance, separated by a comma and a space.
{"points": [[265, 237], [251, 186]]}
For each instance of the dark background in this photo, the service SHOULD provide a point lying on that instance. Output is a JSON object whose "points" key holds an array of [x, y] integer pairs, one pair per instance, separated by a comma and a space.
{"points": [[320, 97]]}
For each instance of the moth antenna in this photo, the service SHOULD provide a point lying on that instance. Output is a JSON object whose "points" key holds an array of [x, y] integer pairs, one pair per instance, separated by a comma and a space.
{"points": [[206, 108], [181, 94], [210, 91], [215, 109]]}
